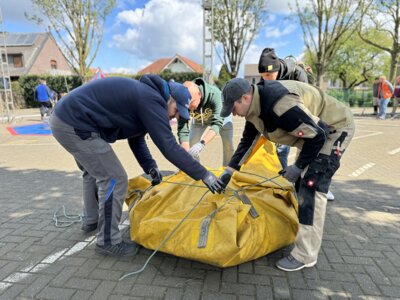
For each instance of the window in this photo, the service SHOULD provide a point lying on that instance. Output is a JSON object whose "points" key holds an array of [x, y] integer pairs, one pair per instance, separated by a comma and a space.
{"points": [[14, 60], [53, 64], [17, 61]]}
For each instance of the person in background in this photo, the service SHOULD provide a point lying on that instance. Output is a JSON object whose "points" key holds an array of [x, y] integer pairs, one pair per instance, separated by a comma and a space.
{"points": [[205, 108], [43, 95], [104, 111], [385, 92], [304, 117], [396, 95], [375, 96]]}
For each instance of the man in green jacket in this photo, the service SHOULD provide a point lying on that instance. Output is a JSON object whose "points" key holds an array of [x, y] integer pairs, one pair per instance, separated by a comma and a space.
{"points": [[205, 108]]}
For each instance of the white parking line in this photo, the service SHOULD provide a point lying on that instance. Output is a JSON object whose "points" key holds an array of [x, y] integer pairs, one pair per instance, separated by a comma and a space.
{"points": [[367, 135], [393, 152], [361, 170], [52, 258]]}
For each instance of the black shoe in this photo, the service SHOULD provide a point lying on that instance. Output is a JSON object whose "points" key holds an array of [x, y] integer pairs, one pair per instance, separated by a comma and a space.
{"points": [[89, 227], [122, 249]]}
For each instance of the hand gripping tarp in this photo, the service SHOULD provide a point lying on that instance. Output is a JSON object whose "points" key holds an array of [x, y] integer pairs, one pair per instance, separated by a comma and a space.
{"points": [[223, 230]]}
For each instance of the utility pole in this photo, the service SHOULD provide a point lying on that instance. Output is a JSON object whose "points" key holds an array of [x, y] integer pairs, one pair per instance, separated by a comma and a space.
{"points": [[6, 95], [208, 40]]}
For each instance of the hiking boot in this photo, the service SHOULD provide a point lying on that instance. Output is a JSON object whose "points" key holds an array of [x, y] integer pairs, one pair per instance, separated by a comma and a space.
{"points": [[290, 264], [122, 249], [330, 196], [89, 227]]}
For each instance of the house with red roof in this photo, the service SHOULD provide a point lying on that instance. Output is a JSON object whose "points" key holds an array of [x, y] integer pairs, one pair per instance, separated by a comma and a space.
{"points": [[176, 64]]}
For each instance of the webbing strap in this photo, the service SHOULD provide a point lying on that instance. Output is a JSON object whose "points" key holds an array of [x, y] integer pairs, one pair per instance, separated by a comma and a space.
{"points": [[246, 200], [205, 226]]}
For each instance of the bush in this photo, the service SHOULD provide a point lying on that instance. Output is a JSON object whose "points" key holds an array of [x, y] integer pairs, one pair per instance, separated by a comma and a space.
{"points": [[352, 97], [178, 77], [58, 84], [19, 101]]}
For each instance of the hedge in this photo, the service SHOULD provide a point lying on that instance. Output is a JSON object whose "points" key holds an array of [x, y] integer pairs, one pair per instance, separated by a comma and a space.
{"points": [[56, 83], [28, 83]]}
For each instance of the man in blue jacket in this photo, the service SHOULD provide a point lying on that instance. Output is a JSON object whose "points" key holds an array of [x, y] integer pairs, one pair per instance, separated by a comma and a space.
{"points": [[43, 96], [103, 111]]}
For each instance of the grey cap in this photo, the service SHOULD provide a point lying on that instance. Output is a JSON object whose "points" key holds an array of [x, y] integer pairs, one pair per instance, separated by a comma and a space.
{"points": [[233, 90]]}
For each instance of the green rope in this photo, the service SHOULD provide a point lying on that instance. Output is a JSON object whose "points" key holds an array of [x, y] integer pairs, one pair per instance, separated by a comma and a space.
{"points": [[70, 219], [164, 241]]}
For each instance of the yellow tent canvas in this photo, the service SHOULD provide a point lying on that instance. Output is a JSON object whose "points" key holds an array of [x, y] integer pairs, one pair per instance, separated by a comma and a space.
{"points": [[254, 217]]}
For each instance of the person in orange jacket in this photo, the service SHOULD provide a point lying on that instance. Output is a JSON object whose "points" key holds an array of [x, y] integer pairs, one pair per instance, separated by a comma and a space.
{"points": [[385, 92]]}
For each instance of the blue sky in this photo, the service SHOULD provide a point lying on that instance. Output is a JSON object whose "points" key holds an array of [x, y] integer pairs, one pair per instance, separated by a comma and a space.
{"points": [[140, 31]]}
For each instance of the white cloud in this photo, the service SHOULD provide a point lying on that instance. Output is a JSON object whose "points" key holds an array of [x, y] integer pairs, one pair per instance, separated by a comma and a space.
{"points": [[14, 11], [122, 70], [279, 6], [282, 6], [162, 29], [275, 32], [253, 54]]}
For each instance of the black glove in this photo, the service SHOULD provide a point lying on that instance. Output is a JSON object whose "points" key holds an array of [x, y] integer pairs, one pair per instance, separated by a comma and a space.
{"points": [[292, 173], [212, 182], [225, 177], [156, 176]]}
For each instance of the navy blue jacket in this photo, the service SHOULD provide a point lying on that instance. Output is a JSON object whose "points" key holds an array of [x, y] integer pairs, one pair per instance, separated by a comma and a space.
{"points": [[121, 108]]}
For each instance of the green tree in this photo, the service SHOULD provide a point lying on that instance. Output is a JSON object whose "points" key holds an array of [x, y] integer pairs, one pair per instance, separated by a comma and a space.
{"points": [[236, 22], [326, 25], [78, 25], [355, 63], [384, 19], [223, 76]]}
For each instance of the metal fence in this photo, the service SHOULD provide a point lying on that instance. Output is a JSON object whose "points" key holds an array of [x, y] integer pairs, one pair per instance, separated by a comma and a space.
{"points": [[357, 98]]}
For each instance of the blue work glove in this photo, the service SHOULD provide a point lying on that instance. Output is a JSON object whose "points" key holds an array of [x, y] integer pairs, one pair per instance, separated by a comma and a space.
{"points": [[225, 177], [291, 173], [212, 182], [195, 150], [156, 176]]}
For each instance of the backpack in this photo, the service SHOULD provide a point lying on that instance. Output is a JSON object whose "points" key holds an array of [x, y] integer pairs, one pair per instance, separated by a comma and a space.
{"points": [[306, 68]]}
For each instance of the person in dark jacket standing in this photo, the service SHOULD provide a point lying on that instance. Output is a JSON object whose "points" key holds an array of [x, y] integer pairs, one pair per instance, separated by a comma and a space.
{"points": [[103, 111], [304, 117], [205, 108], [396, 99], [43, 95], [375, 95]]}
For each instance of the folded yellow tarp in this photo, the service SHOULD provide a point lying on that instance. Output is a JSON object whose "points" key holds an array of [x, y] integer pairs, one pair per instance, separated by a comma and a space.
{"points": [[223, 230]]}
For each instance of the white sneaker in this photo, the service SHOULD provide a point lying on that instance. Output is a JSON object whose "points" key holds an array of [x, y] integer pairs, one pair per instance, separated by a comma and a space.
{"points": [[330, 196]]}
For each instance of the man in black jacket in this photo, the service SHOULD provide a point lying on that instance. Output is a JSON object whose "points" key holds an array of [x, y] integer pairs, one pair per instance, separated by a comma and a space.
{"points": [[103, 111], [271, 67]]}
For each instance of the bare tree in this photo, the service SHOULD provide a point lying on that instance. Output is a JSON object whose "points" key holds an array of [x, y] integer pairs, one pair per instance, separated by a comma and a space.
{"points": [[324, 24], [236, 22], [78, 24], [384, 19]]}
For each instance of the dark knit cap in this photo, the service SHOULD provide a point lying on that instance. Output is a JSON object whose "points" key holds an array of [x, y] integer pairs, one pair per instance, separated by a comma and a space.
{"points": [[269, 61]]}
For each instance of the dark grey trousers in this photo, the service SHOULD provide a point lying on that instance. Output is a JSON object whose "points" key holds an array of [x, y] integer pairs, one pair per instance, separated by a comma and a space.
{"points": [[105, 181]]}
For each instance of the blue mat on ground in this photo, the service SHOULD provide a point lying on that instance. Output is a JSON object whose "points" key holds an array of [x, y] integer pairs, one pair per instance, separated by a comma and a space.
{"points": [[34, 129]]}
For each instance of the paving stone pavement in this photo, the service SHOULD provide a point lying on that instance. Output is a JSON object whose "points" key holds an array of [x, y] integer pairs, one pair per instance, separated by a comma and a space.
{"points": [[359, 258]]}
